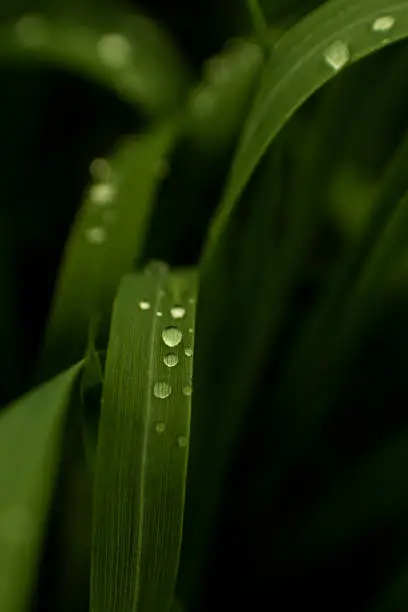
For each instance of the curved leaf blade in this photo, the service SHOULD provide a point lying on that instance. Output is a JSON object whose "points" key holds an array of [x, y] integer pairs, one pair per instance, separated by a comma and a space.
{"points": [[310, 54], [143, 446], [106, 238], [30, 444], [124, 51]]}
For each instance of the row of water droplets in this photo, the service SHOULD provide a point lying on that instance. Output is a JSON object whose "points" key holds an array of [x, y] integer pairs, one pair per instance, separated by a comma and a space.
{"points": [[102, 193], [337, 54], [172, 337], [113, 49]]}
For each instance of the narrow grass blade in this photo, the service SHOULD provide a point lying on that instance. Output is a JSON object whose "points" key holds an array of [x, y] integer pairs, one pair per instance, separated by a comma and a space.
{"points": [[107, 236], [373, 492], [310, 54], [259, 22], [30, 446], [396, 595], [124, 51], [235, 307], [219, 104], [143, 444], [327, 343]]}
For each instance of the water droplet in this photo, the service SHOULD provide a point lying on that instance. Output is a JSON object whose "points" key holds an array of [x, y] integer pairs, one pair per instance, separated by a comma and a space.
{"points": [[159, 314], [182, 441], [114, 50], [177, 312], [383, 24], [31, 30], [188, 352], [188, 390], [144, 305], [191, 300], [160, 427], [171, 360], [100, 170], [156, 268], [172, 336], [191, 330], [162, 390], [337, 55], [102, 193], [95, 235]]}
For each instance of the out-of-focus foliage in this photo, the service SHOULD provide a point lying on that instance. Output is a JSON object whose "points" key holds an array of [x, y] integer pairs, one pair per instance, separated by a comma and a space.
{"points": [[139, 131]]}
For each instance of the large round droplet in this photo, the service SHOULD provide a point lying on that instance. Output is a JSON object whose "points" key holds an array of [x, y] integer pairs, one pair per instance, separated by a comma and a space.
{"points": [[337, 55], [177, 312], [114, 50], [383, 24], [102, 194], [171, 360], [162, 390], [144, 305], [172, 336], [95, 235]]}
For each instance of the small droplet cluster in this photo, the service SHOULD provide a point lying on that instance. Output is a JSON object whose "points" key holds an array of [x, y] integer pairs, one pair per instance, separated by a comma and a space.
{"points": [[172, 337]]}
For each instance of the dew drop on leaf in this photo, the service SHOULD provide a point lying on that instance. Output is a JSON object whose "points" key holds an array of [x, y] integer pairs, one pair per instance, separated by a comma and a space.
{"points": [[156, 268], [160, 427], [114, 50], [182, 441], [95, 235], [159, 314], [188, 390], [177, 312], [102, 193], [161, 390], [188, 352], [171, 360], [383, 24], [337, 55], [144, 305], [100, 170], [172, 336], [31, 30]]}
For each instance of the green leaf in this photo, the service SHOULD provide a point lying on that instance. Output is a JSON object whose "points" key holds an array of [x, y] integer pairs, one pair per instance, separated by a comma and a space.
{"points": [[143, 444], [30, 446], [310, 54], [107, 236], [373, 492], [124, 51], [396, 594], [327, 344]]}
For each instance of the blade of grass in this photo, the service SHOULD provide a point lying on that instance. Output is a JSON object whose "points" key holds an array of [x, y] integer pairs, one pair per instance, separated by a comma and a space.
{"points": [[107, 236], [237, 282], [30, 445], [310, 54], [372, 492], [395, 596], [314, 370], [143, 444], [124, 51], [259, 23]]}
